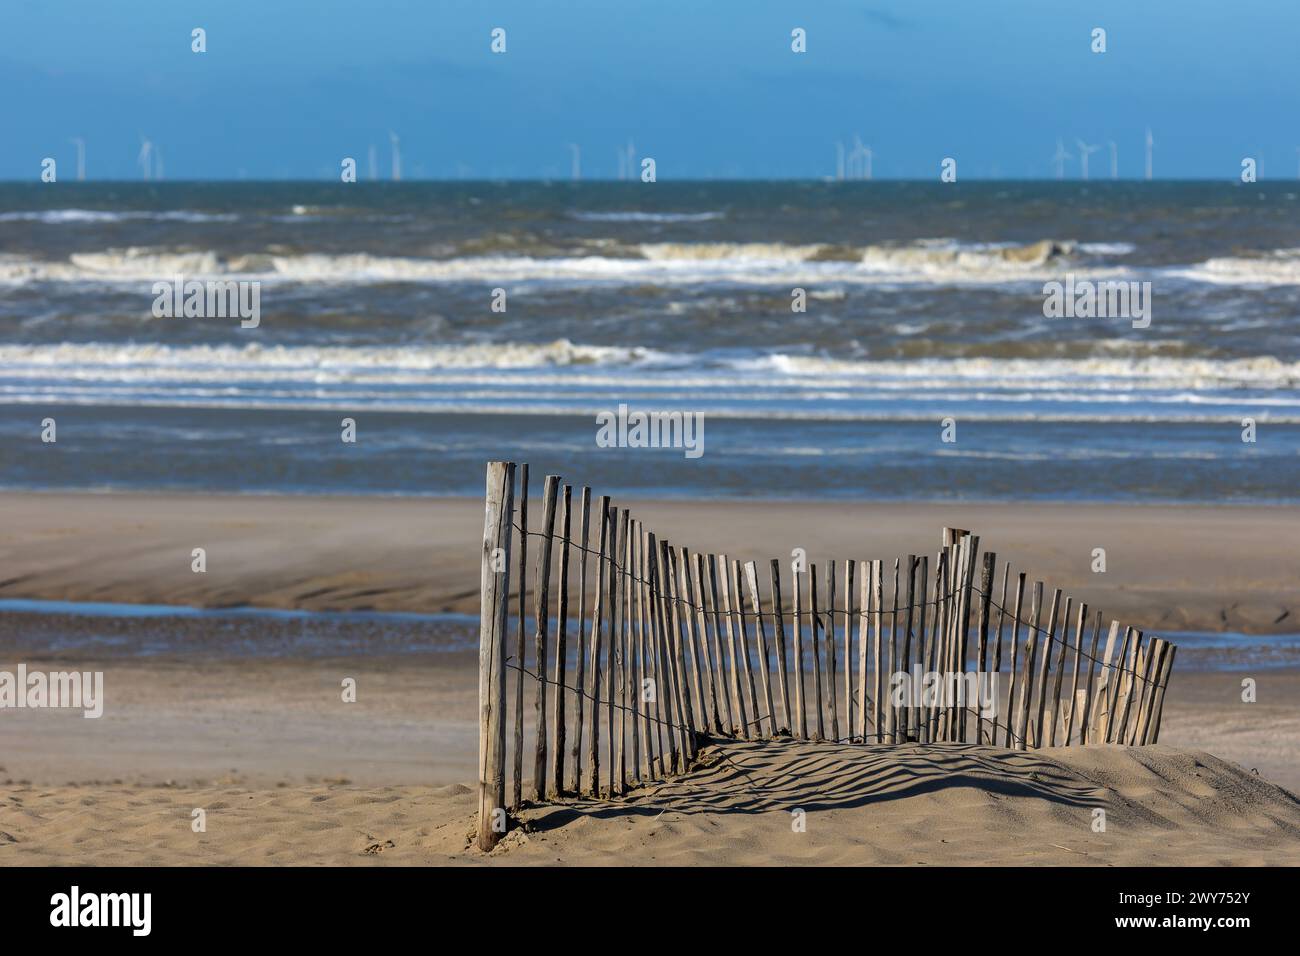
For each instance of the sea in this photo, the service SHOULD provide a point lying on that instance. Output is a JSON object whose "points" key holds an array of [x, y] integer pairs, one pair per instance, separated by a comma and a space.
{"points": [[867, 340]]}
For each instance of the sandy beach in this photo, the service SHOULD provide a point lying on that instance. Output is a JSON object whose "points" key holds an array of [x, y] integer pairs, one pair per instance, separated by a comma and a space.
{"points": [[1168, 567], [288, 773]]}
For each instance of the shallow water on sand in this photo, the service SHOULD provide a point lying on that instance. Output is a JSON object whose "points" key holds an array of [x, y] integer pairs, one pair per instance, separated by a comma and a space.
{"points": [[68, 629]]}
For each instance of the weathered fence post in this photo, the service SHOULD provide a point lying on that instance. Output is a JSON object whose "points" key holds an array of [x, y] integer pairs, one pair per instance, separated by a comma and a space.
{"points": [[541, 621], [579, 674], [494, 583], [521, 645], [562, 642], [778, 628]]}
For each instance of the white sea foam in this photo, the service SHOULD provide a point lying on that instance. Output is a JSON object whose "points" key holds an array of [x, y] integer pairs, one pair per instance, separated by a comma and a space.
{"points": [[1277, 267], [58, 217], [935, 262], [635, 216], [564, 376], [714, 264]]}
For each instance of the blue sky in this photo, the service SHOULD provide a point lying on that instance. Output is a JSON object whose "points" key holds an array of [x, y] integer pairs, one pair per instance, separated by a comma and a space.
{"points": [[710, 89]]}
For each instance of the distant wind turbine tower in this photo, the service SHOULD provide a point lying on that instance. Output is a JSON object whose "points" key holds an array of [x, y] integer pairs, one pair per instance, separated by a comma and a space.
{"points": [[144, 159], [373, 158], [1059, 158], [397, 155], [1150, 143], [839, 161], [859, 165], [631, 160], [1114, 160], [1084, 152], [576, 168], [81, 158]]}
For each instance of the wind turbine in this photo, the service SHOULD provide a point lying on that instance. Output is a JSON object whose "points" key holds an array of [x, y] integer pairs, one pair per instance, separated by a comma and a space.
{"points": [[373, 160], [1059, 158], [839, 161], [1084, 152], [1114, 160], [81, 158], [859, 160], [143, 159], [1150, 143], [396, 143], [630, 153], [576, 150]]}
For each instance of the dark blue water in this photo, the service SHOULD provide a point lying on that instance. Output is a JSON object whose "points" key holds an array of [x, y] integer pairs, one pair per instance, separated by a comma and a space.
{"points": [[923, 302]]}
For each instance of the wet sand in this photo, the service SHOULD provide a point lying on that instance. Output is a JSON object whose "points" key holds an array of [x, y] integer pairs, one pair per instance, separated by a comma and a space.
{"points": [[1192, 568]]}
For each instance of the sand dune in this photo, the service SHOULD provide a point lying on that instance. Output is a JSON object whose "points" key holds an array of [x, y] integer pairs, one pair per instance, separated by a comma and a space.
{"points": [[918, 805]]}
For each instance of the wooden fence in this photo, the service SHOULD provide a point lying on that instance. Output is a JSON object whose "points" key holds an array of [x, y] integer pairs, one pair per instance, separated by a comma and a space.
{"points": [[664, 648]]}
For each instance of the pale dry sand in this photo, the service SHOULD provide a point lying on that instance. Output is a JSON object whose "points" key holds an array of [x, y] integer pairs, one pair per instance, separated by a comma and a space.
{"points": [[289, 773], [948, 805], [1168, 567]]}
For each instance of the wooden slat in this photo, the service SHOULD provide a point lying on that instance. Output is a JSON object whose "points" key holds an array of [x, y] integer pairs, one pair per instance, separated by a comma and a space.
{"points": [[778, 628], [642, 763], [814, 623], [905, 716], [663, 642], [891, 712], [1130, 688], [1063, 645], [982, 630], [541, 623], [934, 654], [694, 635], [597, 639], [948, 649], [1014, 670], [521, 641], [1026, 676], [709, 639], [1162, 686], [579, 675], [654, 707], [1116, 686], [1155, 657], [1046, 667], [800, 705], [733, 644], [922, 591], [1091, 664], [832, 674], [1079, 625], [621, 698], [681, 687], [971, 551], [558, 726], [877, 624], [864, 640], [610, 701], [765, 676], [718, 645], [747, 670], [1105, 684], [494, 611], [848, 648]]}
